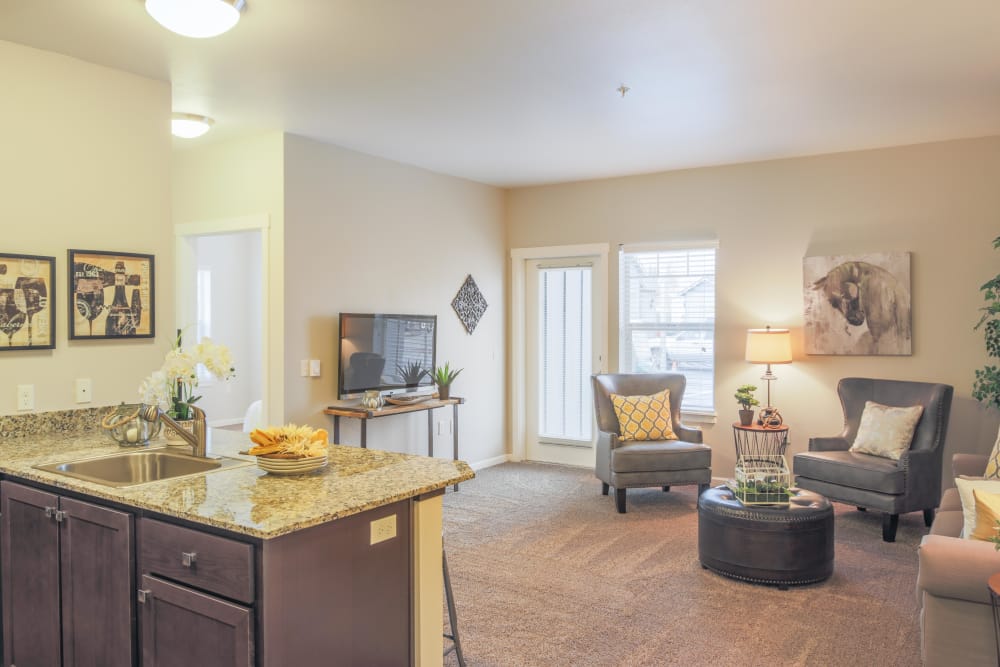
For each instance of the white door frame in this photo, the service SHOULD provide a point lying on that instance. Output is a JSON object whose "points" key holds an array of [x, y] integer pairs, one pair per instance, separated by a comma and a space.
{"points": [[184, 263], [519, 258]]}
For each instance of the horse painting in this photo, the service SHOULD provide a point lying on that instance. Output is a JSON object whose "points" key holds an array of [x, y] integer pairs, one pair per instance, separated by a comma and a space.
{"points": [[858, 305]]}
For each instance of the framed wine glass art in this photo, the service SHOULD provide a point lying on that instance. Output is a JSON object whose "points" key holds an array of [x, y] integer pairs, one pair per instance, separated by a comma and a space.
{"points": [[27, 298]]}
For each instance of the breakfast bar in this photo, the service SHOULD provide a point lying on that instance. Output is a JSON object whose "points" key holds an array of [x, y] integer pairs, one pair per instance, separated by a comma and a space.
{"points": [[257, 568]]}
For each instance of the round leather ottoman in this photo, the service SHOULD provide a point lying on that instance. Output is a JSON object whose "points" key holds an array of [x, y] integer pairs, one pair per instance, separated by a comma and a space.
{"points": [[766, 544]]}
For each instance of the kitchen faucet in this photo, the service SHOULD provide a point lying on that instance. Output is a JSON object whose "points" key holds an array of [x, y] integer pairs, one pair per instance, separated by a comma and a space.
{"points": [[197, 440]]}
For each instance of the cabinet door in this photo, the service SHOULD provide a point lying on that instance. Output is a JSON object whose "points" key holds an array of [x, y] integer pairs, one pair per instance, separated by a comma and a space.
{"points": [[30, 555], [182, 627], [97, 569]]}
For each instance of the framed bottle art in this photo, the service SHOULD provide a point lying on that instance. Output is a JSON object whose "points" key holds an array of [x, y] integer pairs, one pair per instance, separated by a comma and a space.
{"points": [[111, 295]]}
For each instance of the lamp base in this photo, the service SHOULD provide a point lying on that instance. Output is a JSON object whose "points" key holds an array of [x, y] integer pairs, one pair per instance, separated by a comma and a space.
{"points": [[769, 417]]}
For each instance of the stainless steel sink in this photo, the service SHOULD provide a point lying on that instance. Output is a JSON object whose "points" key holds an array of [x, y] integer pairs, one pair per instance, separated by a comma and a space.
{"points": [[140, 467]]}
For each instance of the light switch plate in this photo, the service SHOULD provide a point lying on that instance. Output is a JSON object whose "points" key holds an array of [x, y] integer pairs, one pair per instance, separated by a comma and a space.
{"points": [[383, 529], [314, 368], [83, 390], [25, 397], [304, 368]]}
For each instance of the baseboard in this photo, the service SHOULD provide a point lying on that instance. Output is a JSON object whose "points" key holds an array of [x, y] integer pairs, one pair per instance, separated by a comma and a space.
{"points": [[216, 423], [488, 463]]}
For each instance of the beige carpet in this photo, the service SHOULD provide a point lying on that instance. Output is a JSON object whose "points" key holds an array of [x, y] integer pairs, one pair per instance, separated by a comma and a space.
{"points": [[545, 572]]}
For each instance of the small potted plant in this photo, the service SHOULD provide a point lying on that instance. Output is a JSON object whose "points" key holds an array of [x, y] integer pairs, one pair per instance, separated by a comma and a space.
{"points": [[744, 396], [443, 377]]}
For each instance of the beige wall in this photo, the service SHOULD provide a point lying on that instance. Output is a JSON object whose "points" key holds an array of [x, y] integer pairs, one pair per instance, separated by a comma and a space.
{"points": [[85, 165], [237, 180], [939, 201], [364, 234]]}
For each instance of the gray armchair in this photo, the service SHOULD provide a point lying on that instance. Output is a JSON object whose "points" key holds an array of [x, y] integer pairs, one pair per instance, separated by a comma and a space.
{"points": [[626, 464], [912, 483]]}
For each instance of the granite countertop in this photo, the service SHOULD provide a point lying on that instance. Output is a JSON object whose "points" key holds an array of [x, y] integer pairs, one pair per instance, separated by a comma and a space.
{"points": [[244, 499]]}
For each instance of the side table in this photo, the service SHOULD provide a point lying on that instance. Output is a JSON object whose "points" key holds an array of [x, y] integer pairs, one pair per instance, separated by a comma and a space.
{"points": [[993, 583], [757, 442]]}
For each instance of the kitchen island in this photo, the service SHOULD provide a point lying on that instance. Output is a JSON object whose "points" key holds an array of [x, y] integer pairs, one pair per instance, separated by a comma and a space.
{"points": [[337, 566]]}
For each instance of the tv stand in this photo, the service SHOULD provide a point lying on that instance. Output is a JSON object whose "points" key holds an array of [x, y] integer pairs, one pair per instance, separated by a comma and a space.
{"points": [[364, 414]]}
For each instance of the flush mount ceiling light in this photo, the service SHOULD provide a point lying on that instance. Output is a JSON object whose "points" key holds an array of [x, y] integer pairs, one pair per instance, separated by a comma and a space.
{"points": [[196, 18], [189, 125]]}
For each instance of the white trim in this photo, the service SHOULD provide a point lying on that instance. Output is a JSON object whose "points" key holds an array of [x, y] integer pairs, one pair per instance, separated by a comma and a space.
{"points": [[216, 423], [698, 417], [184, 265], [489, 463], [692, 244], [519, 258]]}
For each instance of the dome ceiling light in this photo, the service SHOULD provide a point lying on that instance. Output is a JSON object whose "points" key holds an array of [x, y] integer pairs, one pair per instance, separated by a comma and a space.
{"points": [[196, 18], [189, 125]]}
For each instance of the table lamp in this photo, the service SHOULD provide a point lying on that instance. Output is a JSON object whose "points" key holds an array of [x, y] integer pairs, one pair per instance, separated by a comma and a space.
{"points": [[769, 346]]}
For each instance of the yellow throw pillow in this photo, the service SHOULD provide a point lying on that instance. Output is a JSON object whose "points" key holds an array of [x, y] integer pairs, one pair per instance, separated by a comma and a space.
{"points": [[966, 486], [993, 465], [644, 417], [886, 431], [987, 513]]}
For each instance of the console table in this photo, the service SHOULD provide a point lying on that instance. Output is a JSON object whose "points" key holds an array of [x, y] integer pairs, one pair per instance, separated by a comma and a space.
{"points": [[364, 414]]}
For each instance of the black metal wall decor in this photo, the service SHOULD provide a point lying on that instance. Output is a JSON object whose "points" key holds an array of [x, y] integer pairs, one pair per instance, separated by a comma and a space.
{"points": [[469, 304]]}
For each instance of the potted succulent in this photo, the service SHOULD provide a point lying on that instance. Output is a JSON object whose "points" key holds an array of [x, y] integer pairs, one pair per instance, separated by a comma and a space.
{"points": [[443, 377], [744, 396]]}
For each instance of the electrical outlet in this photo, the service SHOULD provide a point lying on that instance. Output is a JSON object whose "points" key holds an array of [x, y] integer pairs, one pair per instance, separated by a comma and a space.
{"points": [[25, 397], [383, 529], [304, 368], [83, 390], [314, 368]]}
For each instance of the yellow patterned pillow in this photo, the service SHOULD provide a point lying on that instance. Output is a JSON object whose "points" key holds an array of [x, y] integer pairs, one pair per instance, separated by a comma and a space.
{"points": [[987, 513], [644, 417], [993, 465]]}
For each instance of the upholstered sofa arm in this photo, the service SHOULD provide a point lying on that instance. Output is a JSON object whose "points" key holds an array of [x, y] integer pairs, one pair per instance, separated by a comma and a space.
{"points": [[828, 444], [688, 434], [952, 567], [973, 465]]}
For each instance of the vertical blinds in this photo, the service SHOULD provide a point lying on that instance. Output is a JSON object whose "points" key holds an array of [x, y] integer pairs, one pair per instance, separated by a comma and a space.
{"points": [[667, 316], [565, 353]]}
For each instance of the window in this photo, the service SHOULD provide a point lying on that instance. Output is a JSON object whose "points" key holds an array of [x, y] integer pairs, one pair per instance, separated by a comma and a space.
{"points": [[667, 316]]}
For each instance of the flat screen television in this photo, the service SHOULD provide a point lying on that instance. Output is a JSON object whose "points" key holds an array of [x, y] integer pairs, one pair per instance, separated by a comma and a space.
{"points": [[389, 353]]}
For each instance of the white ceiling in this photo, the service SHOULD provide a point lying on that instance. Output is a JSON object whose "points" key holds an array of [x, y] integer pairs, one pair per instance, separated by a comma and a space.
{"points": [[518, 92]]}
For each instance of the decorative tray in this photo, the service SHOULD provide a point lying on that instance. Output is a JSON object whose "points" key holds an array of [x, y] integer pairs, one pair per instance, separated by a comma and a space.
{"points": [[409, 400]]}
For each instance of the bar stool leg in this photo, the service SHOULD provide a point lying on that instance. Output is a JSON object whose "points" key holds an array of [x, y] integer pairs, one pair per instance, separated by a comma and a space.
{"points": [[456, 645]]}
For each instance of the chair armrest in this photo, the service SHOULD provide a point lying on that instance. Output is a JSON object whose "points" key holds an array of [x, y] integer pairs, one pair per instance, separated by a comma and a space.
{"points": [[610, 440], [972, 465], [688, 434], [952, 567], [829, 444]]}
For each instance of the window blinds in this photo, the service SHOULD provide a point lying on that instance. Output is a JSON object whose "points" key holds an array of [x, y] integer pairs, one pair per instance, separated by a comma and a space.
{"points": [[667, 316]]}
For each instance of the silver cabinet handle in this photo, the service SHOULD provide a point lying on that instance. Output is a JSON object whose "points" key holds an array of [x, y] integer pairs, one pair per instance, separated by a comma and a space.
{"points": [[188, 558], [143, 595], [61, 515], [50, 512]]}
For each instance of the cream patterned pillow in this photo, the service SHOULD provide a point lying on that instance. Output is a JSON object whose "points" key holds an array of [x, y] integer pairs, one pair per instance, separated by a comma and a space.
{"points": [[886, 431], [644, 417], [993, 465], [965, 492]]}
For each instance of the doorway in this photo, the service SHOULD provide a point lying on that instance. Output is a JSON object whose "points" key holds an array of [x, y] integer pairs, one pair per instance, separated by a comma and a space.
{"points": [[221, 294], [559, 340]]}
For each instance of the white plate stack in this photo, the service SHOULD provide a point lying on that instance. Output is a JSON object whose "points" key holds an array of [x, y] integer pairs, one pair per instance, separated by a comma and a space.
{"points": [[291, 466]]}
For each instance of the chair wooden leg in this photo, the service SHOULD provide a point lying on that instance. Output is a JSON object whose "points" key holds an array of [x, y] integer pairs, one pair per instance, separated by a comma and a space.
{"points": [[929, 517], [889, 524], [666, 489], [620, 500], [605, 488]]}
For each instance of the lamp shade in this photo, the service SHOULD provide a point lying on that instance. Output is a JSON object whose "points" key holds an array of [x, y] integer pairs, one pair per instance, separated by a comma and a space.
{"points": [[196, 18], [769, 346]]}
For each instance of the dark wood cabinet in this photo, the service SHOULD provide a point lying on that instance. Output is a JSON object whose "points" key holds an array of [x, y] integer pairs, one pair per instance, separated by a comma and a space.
{"points": [[68, 572], [183, 627]]}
